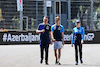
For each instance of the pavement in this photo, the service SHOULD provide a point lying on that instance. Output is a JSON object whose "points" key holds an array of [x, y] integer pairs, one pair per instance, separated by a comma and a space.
{"points": [[29, 56]]}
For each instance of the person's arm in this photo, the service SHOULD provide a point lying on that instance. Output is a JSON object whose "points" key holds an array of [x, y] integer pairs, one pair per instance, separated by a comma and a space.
{"points": [[62, 33], [72, 38], [39, 31], [82, 41], [63, 38], [52, 36]]}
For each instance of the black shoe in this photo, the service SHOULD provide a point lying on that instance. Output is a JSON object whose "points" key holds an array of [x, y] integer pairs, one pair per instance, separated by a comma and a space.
{"points": [[81, 61], [41, 61], [46, 63], [76, 63], [56, 61]]}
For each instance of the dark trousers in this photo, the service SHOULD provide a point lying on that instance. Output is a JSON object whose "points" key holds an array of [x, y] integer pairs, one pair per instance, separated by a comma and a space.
{"points": [[78, 47], [46, 48], [76, 51]]}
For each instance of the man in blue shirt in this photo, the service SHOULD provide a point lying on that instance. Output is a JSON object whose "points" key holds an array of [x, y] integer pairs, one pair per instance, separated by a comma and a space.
{"points": [[77, 40], [45, 30], [57, 35]]}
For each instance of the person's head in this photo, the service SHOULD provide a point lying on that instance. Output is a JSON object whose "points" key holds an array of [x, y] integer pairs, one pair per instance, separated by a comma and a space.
{"points": [[57, 20], [45, 19], [78, 24]]}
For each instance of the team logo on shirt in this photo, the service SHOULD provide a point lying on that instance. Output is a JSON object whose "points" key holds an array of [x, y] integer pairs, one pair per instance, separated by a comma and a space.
{"points": [[47, 27], [59, 28]]}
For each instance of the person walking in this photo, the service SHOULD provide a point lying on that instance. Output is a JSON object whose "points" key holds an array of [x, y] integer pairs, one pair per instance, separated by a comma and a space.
{"points": [[78, 40], [45, 31], [57, 35]]}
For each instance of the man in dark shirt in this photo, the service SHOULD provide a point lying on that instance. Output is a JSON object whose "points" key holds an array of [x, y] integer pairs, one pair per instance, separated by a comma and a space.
{"points": [[45, 30], [57, 34]]}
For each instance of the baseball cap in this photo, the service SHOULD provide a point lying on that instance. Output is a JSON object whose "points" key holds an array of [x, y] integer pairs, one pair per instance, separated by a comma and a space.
{"points": [[77, 21]]}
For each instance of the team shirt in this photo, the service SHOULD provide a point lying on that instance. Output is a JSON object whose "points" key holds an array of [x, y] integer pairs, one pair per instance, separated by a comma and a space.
{"points": [[44, 37], [76, 31], [57, 30]]}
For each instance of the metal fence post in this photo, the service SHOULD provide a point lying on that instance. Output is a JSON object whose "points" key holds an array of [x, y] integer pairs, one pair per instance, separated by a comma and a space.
{"points": [[92, 14], [60, 10], [36, 13], [45, 8], [54, 8], [21, 20], [69, 15]]}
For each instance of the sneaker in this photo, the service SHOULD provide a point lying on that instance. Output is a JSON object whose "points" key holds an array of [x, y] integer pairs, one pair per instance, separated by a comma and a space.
{"points": [[41, 61], [56, 61], [81, 61], [46, 63], [76, 63], [59, 63]]}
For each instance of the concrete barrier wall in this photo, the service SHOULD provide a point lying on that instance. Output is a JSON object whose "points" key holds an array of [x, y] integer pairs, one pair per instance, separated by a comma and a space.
{"points": [[30, 37]]}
